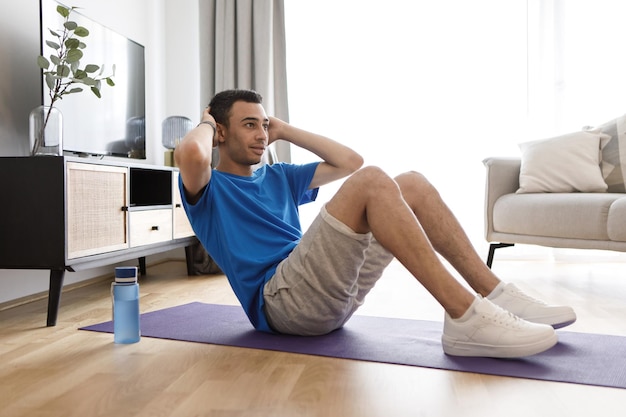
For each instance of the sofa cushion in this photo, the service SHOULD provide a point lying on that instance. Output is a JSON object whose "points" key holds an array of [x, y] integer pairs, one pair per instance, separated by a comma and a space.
{"points": [[617, 220], [613, 160], [563, 215], [562, 164]]}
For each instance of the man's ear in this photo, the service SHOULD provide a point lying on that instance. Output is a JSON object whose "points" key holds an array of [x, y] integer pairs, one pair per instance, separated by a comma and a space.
{"points": [[220, 133]]}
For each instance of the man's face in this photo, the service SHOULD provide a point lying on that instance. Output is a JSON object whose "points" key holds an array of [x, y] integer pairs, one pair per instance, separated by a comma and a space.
{"points": [[244, 141]]}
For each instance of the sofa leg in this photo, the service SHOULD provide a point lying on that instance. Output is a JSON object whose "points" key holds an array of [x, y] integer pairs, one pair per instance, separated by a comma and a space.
{"points": [[492, 249]]}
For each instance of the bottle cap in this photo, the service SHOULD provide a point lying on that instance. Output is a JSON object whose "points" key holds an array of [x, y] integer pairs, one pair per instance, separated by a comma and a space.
{"points": [[126, 274]]}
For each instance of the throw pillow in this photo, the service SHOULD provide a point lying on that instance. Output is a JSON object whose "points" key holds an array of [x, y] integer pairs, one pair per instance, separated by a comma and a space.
{"points": [[613, 154], [562, 164]]}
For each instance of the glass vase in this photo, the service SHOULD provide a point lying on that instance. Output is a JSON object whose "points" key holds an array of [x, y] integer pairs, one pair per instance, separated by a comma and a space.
{"points": [[46, 131]]}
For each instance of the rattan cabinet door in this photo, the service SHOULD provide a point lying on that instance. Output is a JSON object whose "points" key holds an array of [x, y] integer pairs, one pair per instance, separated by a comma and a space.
{"points": [[96, 209]]}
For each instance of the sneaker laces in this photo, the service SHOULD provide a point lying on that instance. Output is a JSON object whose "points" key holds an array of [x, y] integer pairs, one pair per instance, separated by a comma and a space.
{"points": [[503, 317], [521, 294]]}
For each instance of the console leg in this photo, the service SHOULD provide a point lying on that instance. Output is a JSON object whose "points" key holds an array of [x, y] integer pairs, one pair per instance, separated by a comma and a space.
{"points": [[142, 265], [191, 270], [54, 295]]}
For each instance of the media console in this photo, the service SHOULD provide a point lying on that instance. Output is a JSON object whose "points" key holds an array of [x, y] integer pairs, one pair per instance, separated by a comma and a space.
{"points": [[69, 214]]}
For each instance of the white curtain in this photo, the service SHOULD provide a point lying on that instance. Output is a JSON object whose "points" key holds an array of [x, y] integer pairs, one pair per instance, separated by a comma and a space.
{"points": [[243, 46]]}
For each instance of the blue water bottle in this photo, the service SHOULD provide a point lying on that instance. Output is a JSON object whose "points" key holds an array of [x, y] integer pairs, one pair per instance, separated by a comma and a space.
{"points": [[125, 294]]}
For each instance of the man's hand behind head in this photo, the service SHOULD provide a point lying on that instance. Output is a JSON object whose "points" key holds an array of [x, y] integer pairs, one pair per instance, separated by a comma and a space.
{"points": [[275, 131]]}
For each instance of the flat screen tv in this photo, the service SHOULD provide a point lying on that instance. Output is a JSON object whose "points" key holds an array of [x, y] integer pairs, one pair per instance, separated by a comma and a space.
{"points": [[113, 125]]}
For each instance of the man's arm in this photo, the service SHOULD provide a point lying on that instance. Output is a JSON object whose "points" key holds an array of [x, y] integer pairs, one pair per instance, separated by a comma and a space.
{"points": [[338, 160], [193, 157]]}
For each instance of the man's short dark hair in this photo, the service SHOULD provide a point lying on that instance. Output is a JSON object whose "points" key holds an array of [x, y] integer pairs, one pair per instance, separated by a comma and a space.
{"points": [[223, 102]]}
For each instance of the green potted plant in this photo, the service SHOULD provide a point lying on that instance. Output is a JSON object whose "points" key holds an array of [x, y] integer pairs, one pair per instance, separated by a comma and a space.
{"points": [[63, 75]]}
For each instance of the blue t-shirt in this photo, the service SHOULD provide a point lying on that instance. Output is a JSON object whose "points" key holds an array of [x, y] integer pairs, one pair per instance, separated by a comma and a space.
{"points": [[250, 224]]}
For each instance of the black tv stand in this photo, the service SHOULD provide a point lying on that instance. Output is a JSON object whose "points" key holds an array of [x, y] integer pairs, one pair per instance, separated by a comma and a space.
{"points": [[71, 214]]}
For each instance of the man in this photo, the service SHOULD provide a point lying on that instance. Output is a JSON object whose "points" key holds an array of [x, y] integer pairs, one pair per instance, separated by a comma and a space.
{"points": [[311, 284]]}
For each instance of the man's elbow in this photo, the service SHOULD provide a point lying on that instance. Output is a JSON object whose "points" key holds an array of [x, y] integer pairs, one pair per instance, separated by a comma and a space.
{"points": [[191, 153], [354, 163]]}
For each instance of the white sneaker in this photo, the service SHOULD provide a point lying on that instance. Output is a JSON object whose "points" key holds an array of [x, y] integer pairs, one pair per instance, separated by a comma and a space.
{"points": [[512, 299], [490, 331]]}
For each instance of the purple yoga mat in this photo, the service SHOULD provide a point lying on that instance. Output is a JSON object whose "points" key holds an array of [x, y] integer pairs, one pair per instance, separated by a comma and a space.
{"points": [[580, 358]]}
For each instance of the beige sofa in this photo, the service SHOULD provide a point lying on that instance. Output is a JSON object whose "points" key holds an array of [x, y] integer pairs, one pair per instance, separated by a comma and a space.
{"points": [[582, 220]]}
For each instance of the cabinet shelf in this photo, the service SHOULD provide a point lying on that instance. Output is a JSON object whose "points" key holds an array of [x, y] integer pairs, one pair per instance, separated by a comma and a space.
{"points": [[150, 187]]}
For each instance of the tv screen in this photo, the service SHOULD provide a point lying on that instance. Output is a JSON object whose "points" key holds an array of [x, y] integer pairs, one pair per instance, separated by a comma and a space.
{"points": [[114, 124]]}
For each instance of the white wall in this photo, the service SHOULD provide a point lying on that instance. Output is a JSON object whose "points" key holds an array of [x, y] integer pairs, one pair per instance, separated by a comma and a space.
{"points": [[169, 32], [19, 44]]}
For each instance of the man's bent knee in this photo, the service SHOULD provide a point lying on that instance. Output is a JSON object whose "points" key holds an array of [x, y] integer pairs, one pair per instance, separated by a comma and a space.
{"points": [[350, 202], [413, 180], [412, 177], [372, 176]]}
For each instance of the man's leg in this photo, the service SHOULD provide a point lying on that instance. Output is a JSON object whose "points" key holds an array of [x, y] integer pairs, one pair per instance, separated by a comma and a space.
{"points": [[370, 201], [448, 238], [445, 233]]}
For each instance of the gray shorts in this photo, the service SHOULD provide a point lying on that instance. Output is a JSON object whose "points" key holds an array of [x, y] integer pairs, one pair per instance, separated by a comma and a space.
{"points": [[318, 287]]}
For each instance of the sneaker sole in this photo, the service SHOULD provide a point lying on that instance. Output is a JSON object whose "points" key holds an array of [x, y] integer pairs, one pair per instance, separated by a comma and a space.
{"points": [[456, 348], [563, 324], [556, 322]]}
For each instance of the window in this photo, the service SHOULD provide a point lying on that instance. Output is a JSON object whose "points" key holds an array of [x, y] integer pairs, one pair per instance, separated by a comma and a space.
{"points": [[437, 86], [432, 86], [576, 59]]}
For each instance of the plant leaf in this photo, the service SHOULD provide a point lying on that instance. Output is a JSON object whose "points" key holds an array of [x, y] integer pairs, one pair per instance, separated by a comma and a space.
{"points": [[63, 71], [50, 81], [54, 33], [110, 82], [70, 25], [80, 74], [55, 60], [72, 43], [92, 68], [96, 92], [53, 45], [63, 11], [81, 31], [75, 90], [43, 62], [88, 81], [74, 55]]}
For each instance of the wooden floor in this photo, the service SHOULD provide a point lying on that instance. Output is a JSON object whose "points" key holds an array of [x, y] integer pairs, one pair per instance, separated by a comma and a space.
{"points": [[60, 371]]}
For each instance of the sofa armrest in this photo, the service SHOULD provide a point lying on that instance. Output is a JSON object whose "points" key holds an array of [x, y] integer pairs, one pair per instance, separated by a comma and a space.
{"points": [[502, 178]]}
